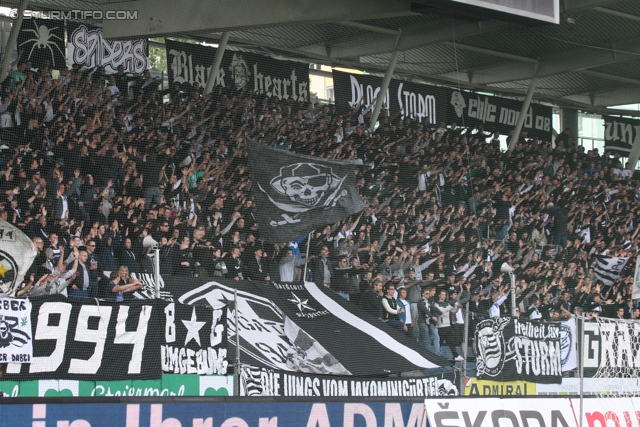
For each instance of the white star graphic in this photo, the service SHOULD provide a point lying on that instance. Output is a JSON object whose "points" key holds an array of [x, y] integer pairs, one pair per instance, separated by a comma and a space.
{"points": [[302, 304], [193, 328]]}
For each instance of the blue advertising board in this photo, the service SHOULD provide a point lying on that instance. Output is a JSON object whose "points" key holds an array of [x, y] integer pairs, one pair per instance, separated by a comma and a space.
{"points": [[215, 414]]}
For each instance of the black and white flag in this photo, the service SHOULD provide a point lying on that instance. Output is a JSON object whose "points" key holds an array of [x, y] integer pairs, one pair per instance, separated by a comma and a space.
{"points": [[319, 320], [635, 294], [511, 349], [620, 135], [608, 269], [195, 340], [298, 327], [42, 41], [17, 252], [296, 194]]}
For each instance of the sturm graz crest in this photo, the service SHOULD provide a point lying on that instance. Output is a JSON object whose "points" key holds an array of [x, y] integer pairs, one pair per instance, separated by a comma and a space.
{"points": [[491, 347], [566, 343], [239, 71], [8, 271], [301, 187]]}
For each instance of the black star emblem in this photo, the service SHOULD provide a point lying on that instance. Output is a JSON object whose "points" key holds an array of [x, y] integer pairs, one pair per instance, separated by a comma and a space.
{"points": [[231, 304]]}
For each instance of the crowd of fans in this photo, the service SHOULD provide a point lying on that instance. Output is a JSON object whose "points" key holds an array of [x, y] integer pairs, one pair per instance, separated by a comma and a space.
{"points": [[91, 164]]}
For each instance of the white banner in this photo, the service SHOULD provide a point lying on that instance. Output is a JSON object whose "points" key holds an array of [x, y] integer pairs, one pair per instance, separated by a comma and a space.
{"points": [[636, 280], [16, 344], [591, 386], [561, 412], [608, 412], [494, 412], [88, 47], [568, 344]]}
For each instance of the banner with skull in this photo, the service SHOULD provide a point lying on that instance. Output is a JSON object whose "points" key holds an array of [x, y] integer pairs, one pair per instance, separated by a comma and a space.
{"points": [[510, 349], [42, 43], [295, 194], [189, 64]]}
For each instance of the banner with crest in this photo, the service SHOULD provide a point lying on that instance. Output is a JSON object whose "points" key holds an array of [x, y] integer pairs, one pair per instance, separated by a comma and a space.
{"points": [[511, 349], [191, 63]]}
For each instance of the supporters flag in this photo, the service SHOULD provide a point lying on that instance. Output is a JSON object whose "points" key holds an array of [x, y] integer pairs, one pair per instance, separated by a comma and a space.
{"points": [[17, 252], [608, 269], [301, 327], [620, 135], [635, 294], [295, 194]]}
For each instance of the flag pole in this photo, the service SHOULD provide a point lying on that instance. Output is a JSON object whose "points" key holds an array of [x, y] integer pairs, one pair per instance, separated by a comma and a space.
{"points": [[237, 364], [581, 367], [305, 266], [466, 347]]}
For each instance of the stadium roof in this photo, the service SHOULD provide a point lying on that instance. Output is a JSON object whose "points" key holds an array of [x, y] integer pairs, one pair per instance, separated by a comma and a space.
{"points": [[589, 61]]}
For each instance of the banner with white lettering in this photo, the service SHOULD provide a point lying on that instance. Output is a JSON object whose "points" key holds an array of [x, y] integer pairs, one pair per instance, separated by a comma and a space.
{"points": [[423, 103], [74, 340], [15, 331], [191, 63], [513, 349], [88, 47], [472, 110], [303, 328], [620, 135], [195, 340], [256, 381]]}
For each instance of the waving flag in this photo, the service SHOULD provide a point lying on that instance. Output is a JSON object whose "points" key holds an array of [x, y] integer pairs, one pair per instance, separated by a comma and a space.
{"points": [[296, 194], [17, 252], [608, 269]]}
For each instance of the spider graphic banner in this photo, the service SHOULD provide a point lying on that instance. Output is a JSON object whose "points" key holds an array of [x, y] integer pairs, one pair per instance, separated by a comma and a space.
{"points": [[42, 43]]}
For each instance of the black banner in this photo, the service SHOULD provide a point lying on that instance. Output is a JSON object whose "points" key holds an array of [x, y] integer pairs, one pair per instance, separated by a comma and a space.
{"points": [[295, 194], [42, 40], [112, 341], [512, 349], [472, 110], [87, 46], [620, 135], [195, 340], [268, 382], [403, 99], [286, 327], [191, 63]]}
